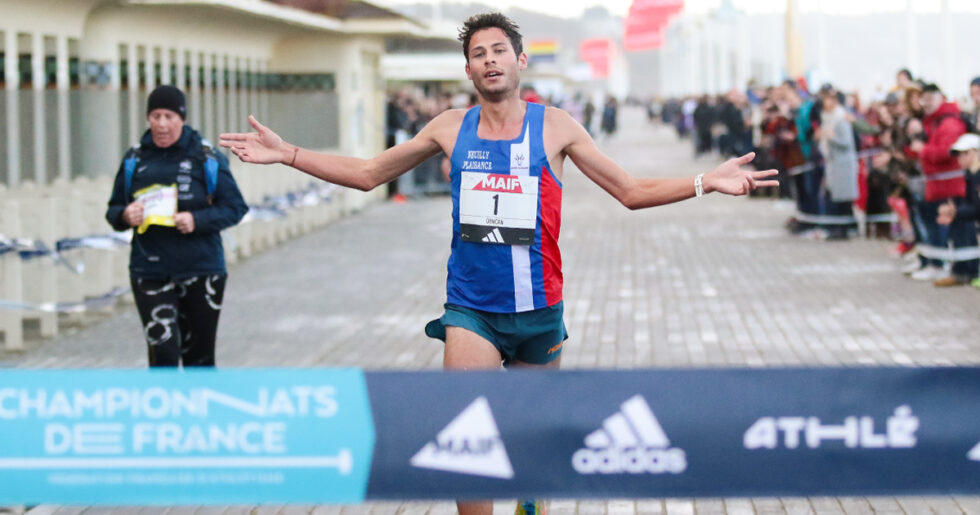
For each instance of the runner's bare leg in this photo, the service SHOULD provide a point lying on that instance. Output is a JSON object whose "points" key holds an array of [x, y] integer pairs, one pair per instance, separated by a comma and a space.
{"points": [[466, 350], [554, 364]]}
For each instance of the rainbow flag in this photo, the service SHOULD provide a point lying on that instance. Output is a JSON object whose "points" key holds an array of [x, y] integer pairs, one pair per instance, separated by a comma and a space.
{"points": [[542, 50]]}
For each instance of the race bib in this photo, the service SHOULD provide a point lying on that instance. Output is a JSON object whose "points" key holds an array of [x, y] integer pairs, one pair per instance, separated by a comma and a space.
{"points": [[497, 208], [159, 206]]}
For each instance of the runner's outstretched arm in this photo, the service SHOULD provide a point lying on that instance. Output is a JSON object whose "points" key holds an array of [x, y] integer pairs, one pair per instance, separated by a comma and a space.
{"points": [[637, 193], [265, 147]]}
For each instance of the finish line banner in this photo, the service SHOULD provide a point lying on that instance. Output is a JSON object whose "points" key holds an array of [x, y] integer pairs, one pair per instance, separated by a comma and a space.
{"points": [[311, 436]]}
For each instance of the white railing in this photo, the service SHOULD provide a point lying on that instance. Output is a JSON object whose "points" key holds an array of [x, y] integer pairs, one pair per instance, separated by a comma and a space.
{"points": [[60, 287]]}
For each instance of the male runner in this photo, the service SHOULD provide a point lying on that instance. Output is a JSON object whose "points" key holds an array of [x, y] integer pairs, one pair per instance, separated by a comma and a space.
{"points": [[504, 287]]}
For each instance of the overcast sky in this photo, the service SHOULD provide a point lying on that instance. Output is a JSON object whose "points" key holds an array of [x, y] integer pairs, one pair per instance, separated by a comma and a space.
{"points": [[573, 8]]}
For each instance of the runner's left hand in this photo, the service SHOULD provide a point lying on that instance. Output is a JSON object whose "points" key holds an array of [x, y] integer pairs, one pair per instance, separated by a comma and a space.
{"points": [[184, 221], [731, 179]]}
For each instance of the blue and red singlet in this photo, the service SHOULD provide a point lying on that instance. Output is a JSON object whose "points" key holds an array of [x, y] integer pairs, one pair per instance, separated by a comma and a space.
{"points": [[506, 219]]}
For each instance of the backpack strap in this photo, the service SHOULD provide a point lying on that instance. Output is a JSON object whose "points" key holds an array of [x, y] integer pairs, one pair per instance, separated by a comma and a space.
{"points": [[129, 168], [210, 168]]}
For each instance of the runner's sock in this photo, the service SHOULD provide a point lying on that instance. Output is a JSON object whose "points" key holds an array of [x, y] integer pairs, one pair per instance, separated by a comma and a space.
{"points": [[529, 507]]}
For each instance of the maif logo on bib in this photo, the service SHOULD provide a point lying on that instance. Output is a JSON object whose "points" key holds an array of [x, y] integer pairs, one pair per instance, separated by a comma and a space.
{"points": [[500, 184]]}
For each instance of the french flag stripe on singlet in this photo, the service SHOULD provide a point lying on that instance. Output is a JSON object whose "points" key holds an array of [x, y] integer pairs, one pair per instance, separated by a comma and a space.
{"points": [[550, 227], [521, 254]]}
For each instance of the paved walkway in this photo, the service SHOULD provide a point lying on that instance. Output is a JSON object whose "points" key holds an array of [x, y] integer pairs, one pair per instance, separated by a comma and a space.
{"points": [[708, 282]]}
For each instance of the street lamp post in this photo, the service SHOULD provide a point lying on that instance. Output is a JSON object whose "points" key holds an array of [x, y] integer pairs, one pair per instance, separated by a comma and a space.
{"points": [[911, 39], [794, 44], [950, 83]]}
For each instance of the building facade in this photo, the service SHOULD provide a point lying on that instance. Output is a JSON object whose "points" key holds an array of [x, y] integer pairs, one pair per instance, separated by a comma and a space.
{"points": [[76, 74]]}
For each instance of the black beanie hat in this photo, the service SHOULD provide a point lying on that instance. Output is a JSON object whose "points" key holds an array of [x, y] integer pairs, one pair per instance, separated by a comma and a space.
{"points": [[167, 97]]}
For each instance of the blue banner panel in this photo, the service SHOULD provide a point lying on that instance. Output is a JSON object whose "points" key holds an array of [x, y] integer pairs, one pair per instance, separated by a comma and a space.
{"points": [[676, 433], [153, 437]]}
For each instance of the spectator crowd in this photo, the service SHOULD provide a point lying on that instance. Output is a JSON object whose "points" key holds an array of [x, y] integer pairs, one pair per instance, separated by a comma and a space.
{"points": [[904, 166]]}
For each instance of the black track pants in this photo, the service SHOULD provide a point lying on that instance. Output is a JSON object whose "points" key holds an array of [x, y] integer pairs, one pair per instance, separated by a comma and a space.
{"points": [[180, 318]]}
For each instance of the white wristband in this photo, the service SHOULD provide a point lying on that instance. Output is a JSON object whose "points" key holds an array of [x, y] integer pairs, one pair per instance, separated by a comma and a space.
{"points": [[699, 185]]}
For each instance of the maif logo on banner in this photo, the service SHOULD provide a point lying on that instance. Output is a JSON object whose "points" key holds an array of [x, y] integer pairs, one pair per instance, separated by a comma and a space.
{"points": [[470, 444], [974, 453], [114, 437]]}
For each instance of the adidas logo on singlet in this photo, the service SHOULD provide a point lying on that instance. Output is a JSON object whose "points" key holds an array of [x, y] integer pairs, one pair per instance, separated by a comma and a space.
{"points": [[630, 441], [493, 236]]}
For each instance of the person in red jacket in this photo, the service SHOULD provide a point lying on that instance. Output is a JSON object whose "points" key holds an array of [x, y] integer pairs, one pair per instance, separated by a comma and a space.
{"points": [[945, 180]]}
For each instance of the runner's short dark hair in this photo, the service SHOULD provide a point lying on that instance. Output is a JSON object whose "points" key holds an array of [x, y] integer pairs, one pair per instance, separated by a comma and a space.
{"points": [[490, 20]]}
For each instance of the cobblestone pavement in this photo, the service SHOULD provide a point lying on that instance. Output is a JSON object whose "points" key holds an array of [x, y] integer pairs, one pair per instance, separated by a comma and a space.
{"points": [[708, 282]]}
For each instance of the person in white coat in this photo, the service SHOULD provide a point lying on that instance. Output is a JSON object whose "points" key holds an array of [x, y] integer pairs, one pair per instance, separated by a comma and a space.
{"points": [[836, 138]]}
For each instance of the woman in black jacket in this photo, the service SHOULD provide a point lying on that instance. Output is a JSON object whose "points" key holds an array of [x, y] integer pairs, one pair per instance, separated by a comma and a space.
{"points": [[177, 193]]}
